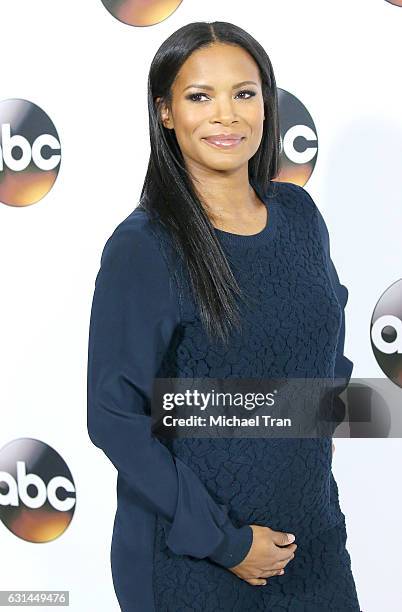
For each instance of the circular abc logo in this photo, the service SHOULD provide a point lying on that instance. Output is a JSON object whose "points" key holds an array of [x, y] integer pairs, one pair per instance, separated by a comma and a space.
{"points": [[298, 139], [29, 153], [37, 492], [386, 332], [140, 12]]}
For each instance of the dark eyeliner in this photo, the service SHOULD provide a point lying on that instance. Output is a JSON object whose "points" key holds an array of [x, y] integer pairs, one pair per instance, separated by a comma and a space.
{"points": [[248, 91]]}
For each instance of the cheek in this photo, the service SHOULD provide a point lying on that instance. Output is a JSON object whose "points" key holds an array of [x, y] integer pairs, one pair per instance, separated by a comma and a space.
{"points": [[255, 114], [186, 129], [255, 120], [259, 128], [190, 117], [256, 124]]}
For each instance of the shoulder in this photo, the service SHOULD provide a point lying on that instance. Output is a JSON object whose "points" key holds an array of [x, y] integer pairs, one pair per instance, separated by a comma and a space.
{"points": [[292, 195], [136, 240], [297, 197], [135, 258], [133, 235], [133, 283]]}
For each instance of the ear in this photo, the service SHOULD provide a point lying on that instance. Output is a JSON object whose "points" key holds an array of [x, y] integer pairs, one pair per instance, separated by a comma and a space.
{"points": [[164, 113]]}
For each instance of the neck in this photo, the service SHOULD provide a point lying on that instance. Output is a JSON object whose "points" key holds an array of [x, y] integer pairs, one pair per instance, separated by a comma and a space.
{"points": [[226, 196]]}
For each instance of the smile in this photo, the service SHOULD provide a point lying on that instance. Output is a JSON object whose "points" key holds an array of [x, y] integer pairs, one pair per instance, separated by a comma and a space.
{"points": [[225, 143]]}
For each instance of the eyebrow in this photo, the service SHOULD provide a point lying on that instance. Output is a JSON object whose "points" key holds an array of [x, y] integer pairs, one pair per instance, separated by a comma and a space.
{"points": [[209, 87]]}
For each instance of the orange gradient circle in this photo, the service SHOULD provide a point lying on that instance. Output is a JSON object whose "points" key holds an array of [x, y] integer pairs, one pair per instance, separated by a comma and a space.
{"points": [[37, 491], [30, 153], [141, 12], [299, 140]]}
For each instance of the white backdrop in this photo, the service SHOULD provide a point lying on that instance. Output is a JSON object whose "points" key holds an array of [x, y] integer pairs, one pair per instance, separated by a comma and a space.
{"points": [[88, 72]]}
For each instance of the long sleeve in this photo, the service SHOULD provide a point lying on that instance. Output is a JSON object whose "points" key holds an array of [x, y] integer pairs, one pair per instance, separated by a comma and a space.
{"points": [[133, 318], [343, 366]]}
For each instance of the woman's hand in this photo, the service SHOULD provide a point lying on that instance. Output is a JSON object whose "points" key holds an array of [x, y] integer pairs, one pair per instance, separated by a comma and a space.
{"points": [[269, 553]]}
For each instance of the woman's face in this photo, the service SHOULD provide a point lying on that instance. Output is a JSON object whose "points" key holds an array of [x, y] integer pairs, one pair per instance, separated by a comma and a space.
{"points": [[217, 91]]}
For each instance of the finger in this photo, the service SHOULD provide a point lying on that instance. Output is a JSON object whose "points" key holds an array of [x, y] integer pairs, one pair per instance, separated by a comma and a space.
{"points": [[288, 554], [283, 562], [288, 557], [270, 573], [256, 581], [286, 550], [282, 539], [278, 566]]}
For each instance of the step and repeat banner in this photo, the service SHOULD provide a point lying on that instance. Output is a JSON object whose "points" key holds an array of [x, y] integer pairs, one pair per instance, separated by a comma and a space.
{"points": [[74, 147]]}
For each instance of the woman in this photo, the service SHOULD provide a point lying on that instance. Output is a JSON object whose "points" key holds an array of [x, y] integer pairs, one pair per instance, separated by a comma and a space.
{"points": [[210, 524]]}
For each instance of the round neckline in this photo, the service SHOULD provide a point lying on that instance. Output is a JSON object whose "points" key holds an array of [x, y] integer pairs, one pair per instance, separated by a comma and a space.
{"points": [[261, 236]]}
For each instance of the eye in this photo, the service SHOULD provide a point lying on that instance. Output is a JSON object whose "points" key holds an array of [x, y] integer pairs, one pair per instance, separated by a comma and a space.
{"points": [[195, 96], [247, 91]]}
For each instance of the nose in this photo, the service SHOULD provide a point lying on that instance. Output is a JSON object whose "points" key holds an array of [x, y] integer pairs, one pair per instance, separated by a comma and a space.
{"points": [[224, 111]]}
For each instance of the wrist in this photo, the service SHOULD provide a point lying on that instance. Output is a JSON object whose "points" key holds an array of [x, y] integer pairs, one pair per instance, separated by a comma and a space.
{"points": [[235, 545]]}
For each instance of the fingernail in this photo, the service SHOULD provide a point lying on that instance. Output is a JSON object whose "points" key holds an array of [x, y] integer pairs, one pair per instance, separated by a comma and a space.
{"points": [[281, 572], [264, 583], [291, 537]]}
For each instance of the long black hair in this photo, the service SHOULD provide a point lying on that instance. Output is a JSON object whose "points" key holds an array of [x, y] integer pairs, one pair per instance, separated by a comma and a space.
{"points": [[168, 192]]}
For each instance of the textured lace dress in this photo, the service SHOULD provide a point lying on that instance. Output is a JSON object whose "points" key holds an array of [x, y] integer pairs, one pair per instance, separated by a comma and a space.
{"points": [[185, 504]]}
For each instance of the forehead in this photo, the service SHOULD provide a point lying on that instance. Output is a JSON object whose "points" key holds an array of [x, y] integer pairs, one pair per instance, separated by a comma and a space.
{"points": [[217, 65]]}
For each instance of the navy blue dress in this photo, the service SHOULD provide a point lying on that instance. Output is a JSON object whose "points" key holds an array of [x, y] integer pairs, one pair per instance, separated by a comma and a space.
{"points": [[185, 504]]}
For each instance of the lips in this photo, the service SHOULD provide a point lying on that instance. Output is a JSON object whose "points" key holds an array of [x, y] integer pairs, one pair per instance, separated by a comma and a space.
{"points": [[222, 142], [224, 139]]}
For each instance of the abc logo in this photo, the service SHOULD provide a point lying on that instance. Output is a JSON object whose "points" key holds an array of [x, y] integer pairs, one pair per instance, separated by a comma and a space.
{"points": [[386, 332], [298, 138], [29, 153], [37, 492]]}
